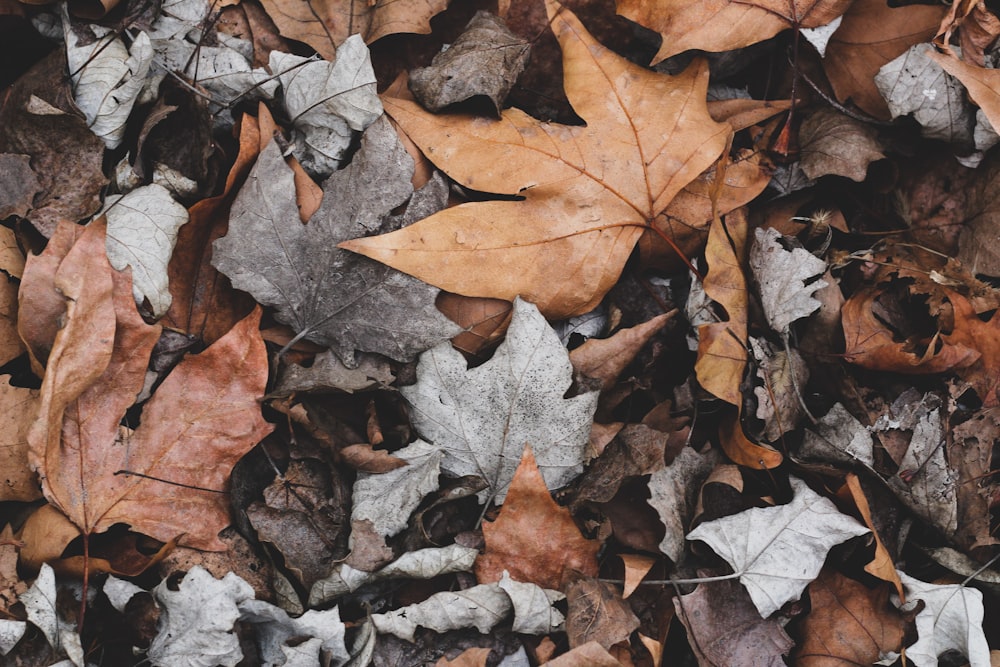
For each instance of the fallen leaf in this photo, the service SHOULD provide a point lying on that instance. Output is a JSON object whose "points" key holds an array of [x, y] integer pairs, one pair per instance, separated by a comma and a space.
{"points": [[483, 417], [419, 564], [977, 27], [604, 359], [197, 619], [486, 60], [596, 612], [11, 346], [591, 654], [597, 182], [871, 34], [514, 543], [40, 119], [787, 279], [951, 619], [742, 450], [11, 585], [473, 657], [722, 25], [18, 480], [387, 499], [534, 613], [325, 293], [784, 374], [324, 25], [277, 633], [107, 77], [722, 355], [916, 84], [673, 491], [980, 82], [142, 232], [881, 565], [484, 321], [481, 607], [636, 569], [18, 183], [724, 627], [40, 603], [326, 102], [329, 374], [970, 453], [849, 623], [833, 143], [777, 551], [839, 437]]}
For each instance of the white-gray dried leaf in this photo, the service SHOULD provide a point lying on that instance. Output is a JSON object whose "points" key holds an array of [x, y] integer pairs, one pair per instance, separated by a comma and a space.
{"points": [[533, 610], [838, 438], [787, 279], [329, 374], [328, 295], [915, 84], [142, 233], [483, 417], [673, 493], [274, 628], [387, 499], [486, 60]]}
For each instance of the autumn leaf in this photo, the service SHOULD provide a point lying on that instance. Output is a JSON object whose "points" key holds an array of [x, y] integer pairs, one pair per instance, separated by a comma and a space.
{"points": [[724, 25], [96, 369], [588, 192], [325, 24], [515, 544]]}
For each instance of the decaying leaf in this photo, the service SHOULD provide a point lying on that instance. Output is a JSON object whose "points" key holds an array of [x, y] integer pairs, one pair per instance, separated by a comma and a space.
{"points": [[597, 612], [833, 143], [328, 294], [604, 359], [783, 373], [481, 607], [726, 629], [329, 374], [787, 279], [673, 491], [514, 544], [485, 60], [588, 191], [40, 603], [17, 407], [838, 436], [777, 551], [915, 83], [483, 417], [387, 499], [18, 185]]}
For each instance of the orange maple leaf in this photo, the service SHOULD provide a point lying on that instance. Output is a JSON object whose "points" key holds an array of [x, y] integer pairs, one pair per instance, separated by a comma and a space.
{"points": [[588, 192]]}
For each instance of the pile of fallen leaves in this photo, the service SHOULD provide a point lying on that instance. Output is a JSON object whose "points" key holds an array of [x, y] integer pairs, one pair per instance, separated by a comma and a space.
{"points": [[394, 333]]}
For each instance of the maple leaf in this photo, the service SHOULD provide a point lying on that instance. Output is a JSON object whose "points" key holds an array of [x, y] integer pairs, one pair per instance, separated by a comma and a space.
{"points": [[724, 25], [325, 24], [588, 192], [483, 417], [777, 551], [328, 295], [514, 544], [96, 369]]}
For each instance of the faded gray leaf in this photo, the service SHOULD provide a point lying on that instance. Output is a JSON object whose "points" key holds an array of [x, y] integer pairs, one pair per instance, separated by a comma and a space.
{"points": [[387, 499], [787, 279], [673, 493]]}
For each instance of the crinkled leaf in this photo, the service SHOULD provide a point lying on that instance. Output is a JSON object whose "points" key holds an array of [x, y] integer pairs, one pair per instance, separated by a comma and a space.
{"points": [[838, 437], [533, 610], [387, 499], [274, 628], [197, 619], [777, 551], [483, 417], [142, 231], [419, 564], [329, 295], [786, 279], [673, 492], [834, 143]]}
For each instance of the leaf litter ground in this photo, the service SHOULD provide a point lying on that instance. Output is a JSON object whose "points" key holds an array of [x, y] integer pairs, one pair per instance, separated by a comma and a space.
{"points": [[714, 378]]}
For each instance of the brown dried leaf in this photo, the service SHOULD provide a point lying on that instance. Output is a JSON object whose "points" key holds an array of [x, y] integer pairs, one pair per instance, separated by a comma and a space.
{"points": [[17, 409], [723, 25], [871, 34], [590, 654], [833, 143], [514, 542], [18, 185], [485, 320], [588, 191], [604, 359], [324, 24], [598, 613], [850, 623]]}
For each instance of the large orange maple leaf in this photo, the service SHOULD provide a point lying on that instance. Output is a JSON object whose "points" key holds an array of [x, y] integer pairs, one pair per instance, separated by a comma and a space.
{"points": [[588, 192]]}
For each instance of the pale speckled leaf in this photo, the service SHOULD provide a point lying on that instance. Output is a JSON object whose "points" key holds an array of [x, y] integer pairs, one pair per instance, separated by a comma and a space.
{"points": [[387, 499], [786, 279], [952, 619]]}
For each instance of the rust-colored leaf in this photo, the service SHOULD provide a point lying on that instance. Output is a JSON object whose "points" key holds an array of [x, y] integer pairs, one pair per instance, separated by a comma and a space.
{"points": [[724, 25], [534, 538], [597, 612], [324, 24], [983, 84], [17, 408], [849, 623], [604, 359], [871, 34], [882, 565], [588, 191]]}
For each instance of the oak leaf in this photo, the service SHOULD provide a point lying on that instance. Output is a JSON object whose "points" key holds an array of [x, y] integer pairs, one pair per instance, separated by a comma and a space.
{"points": [[724, 25], [514, 542], [325, 24], [588, 192]]}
